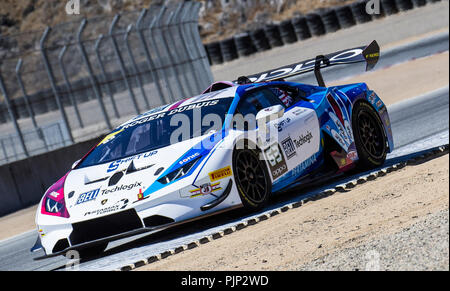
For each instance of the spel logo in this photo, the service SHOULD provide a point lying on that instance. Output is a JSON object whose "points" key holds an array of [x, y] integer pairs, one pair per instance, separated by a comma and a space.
{"points": [[73, 7]]}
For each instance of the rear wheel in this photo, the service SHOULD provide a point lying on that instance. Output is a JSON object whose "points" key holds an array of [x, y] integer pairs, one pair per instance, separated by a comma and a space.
{"points": [[370, 138], [252, 179]]}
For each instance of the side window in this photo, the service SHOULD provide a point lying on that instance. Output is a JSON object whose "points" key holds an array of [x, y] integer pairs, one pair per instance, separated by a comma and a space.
{"points": [[251, 104], [256, 101], [287, 95]]}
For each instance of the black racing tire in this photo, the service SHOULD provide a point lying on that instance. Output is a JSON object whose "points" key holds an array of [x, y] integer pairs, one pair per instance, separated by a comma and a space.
{"points": [[345, 16], [244, 45], [370, 136], [389, 7], [252, 179], [315, 24], [404, 5], [273, 35], [301, 28], [215, 53], [260, 40], [93, 251], [287, 32], [229, 50]]}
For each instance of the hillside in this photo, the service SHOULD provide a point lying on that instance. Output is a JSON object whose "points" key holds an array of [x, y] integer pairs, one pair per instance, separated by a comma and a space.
{"points": [[218, 18]]}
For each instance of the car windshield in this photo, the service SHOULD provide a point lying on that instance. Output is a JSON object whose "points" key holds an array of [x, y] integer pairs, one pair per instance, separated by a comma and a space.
{"points": [[160, 130]]}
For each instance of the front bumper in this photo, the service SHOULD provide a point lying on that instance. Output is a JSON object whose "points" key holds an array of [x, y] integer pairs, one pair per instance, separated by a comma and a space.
{"points": [[58, 239]]}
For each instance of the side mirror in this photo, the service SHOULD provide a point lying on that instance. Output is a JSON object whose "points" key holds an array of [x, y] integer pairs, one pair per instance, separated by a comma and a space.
{"points": [[75, 164], [269, 114]]}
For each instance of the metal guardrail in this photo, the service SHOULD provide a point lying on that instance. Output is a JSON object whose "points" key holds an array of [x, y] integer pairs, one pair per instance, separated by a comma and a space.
{"points": [[94, 73]]}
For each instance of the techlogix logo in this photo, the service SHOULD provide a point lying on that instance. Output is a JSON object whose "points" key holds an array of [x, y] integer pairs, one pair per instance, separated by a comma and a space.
{"points": [[122, 188], [73, 7]]}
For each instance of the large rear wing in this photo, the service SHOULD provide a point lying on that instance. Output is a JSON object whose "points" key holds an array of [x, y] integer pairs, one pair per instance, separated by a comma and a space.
{"points": [[369, 54]]}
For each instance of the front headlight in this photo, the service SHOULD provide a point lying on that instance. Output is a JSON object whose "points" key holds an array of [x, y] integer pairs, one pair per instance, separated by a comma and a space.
{"points": [[54, 203], [52, 206], [178, 173]]}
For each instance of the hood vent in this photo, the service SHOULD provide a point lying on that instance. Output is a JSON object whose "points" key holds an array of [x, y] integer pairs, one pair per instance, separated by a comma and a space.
{"points": [[115, 179], [88, 182], [132, 168]]}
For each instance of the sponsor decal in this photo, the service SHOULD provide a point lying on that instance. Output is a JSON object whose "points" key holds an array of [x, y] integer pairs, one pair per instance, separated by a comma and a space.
{"points": [[339, 115], [205, 189], [88, 196], [194, 106], [339, 139], [340, 127], [220, 174], [305, 66], [169, 113], [372, 98], [289, 148], [152, 111], [122, 188], [109, 137], [344, 160], [337, 110], [115, 165], [297, 171], [277, 163], [122, 204], [353, 155], [144, 120], [298, 111], [372, 56], [299, 142], [188, 159], [140, 195], [280, 126]]}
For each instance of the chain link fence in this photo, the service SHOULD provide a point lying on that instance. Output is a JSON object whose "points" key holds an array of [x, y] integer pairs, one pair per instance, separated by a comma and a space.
{"points": [[80, 79]]}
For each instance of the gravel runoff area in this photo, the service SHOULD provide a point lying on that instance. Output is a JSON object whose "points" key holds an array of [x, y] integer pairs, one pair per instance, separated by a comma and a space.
{"points": [[421, 247], [397, 222]]}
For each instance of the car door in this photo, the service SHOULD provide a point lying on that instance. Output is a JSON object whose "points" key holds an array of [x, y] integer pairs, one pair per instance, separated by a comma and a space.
{"points": [[298, 134], [288, 141]]}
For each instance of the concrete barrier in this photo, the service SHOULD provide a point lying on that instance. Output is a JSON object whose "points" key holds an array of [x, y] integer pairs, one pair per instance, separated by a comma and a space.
{"points": [[23, 183]]}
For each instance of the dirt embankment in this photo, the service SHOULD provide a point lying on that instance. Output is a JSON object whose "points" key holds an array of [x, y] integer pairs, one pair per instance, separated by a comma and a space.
{"points": [[406, 80], [290, 240], [217, 21]]}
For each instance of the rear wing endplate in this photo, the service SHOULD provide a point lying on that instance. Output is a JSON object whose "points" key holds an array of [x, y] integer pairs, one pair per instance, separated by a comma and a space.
{"points": [[369, 54]]}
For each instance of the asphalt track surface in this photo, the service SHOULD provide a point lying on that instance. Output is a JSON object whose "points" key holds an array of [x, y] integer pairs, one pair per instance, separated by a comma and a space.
{"points": [[418, 124]]}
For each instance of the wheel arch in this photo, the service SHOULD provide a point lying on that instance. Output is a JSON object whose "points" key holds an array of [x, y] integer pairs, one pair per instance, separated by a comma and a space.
{"points": [[383, 118]]}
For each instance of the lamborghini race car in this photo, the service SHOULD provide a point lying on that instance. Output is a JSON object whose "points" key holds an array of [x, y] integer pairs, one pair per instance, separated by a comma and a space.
{"points": [[234, 146]]}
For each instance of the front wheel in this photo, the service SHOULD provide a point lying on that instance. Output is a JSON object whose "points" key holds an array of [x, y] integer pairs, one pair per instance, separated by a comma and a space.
{"points": [[370, 138], [252, 179]]}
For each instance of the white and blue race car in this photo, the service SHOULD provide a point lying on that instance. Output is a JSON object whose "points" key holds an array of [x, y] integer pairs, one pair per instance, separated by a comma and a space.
{"points": [[234, 146]]}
